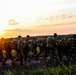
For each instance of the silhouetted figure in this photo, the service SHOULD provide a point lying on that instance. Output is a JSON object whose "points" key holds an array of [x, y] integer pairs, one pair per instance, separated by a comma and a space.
{"points": [[34, 46], [27, 48], [19, 52], [55, 35], [1, 53], [1, 48], [8, 49]]}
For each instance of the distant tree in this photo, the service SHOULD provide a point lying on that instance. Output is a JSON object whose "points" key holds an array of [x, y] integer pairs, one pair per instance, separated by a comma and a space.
{"points": [[12, 22]]}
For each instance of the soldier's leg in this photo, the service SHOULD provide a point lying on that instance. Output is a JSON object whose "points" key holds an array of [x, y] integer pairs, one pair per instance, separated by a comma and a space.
{"points": [[12, 59], [34, 52], [7, 56], [21, 59]]}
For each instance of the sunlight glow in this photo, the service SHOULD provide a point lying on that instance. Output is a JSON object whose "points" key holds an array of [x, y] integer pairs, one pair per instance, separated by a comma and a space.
{"points": [[22, 16], [1, 31]]}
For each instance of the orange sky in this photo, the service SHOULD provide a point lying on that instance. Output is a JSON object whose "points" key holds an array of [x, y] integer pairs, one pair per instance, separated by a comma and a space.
{"points": [[37, 17]]}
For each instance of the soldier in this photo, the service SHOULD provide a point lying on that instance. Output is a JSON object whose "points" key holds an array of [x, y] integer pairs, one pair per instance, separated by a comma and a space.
{"points": [[8, 49], [34, 46], [19, 53], [27, 48], [1, 53]]}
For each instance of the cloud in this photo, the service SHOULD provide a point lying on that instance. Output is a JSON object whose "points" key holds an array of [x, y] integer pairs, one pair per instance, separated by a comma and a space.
{"points": [[12, 22], [12, 30], [63, 16], [57, 24], [70, 23], [39, 19], [51, 17], [70, 16], [42, 26], [20, 30], [46, 18], [56, 18]]}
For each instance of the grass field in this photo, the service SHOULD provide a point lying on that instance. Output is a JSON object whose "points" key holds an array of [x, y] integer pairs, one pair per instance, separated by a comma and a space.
{"points": [[71, 70]]}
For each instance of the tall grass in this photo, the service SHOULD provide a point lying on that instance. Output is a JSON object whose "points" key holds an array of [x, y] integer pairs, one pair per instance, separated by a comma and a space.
{"points": [[70, 70]]}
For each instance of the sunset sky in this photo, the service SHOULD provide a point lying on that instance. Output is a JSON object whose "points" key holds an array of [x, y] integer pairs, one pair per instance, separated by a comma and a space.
{"points": [[37, 17]]}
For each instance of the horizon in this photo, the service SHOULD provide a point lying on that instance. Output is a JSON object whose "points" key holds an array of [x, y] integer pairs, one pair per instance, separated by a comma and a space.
{"points": [[37, 17], [64, 35]]}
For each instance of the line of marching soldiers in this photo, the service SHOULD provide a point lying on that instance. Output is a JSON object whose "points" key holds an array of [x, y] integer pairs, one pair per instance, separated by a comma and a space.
{"points": [[29, 48]]}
